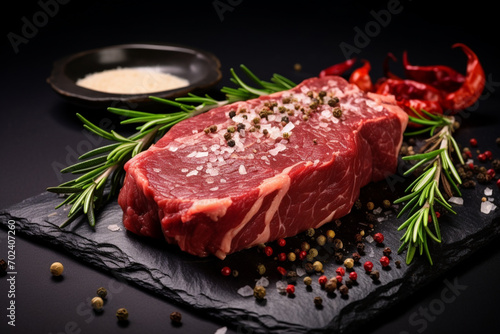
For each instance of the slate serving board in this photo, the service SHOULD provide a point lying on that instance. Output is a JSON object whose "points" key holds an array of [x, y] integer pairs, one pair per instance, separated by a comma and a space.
{"points": [[198, 283]]}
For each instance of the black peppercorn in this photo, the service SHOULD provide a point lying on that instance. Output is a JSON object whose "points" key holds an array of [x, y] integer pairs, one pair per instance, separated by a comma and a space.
{"points": [[232, 113], [318, 301], [360, 247], [338, 256], [349, 283], [333, 101], [102, 292], [176, 317], [356, 257], [344, 290], [231, 143], [337, 112], [285, 119], [374, 275], [240, 126], [291, 276], [309, 268], [397, 263], [387, 251], [227, 136]]}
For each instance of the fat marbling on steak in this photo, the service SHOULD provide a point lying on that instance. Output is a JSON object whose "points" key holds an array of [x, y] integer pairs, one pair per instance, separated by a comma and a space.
{"points": [[289, 165]]}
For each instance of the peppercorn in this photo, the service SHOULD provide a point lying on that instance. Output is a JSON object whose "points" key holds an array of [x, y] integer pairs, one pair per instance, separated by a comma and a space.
{"points": [[3, 265], [56, 269], [310, 94], [338, 244], [398, 264], [358, 205], [340, 271], [313, 252], [232, 113], [286, 135], [378, 237], [321, 240], [386, 203], [231, 129], [291, 276], [322, 280], [206, 130], [309, 268], [281, 270], [318, 301], [281, 256], [368, 265], [122, 314], [338, 256], [330, 234], [473, 142], [97, 303], [370, 206], [290, 289], [495, 164], [387, 251], [321, 93], [259, 292], [231, 143], [314, 103], [261, 269], [356, 257], [225, 271], [291, 256], [307, 280], [176, 317], [305, 246], [102, 292], [227, 136], [331, 286], [333, 101], [337, 112], [349, 283], [344, 290], [360, 247], [349, 263], [213, 128], [235, 273], [353, 276], [240, 126], [268, 251], [318, 266], [384, 261], [374, 275], [302, 255]]}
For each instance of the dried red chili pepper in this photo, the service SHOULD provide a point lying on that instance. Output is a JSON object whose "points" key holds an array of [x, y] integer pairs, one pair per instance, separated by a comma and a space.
{"points": [[439, 76], [385, 66], [361, 77], [471, 88], [338, 69]]}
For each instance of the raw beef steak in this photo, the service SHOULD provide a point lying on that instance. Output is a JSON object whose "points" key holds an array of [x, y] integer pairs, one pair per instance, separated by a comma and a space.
{"points": [[254, 171]]}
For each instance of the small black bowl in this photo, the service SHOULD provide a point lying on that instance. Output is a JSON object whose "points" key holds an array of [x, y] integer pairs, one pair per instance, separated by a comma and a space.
{"points": [[200, 68]]}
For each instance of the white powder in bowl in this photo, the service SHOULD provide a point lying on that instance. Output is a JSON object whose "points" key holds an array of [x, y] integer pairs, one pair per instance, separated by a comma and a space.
{"points": [[131, 81]]}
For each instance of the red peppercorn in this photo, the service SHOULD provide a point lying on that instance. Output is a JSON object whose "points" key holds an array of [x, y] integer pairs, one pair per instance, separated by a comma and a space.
{"points": [[481, 157], [491, 172], [384, 261], [290, 289], [302, 255], [322, 280], [226, 271], [438, 214], [471, 166], [430, 219], [368, 266], [339, 279], [268, 250], [378, 237], [488, 155], [498, 183], [340, 271], [281, 242], [282, 256], [473, 142], [468, 154], [353, 276], [282, 270]]}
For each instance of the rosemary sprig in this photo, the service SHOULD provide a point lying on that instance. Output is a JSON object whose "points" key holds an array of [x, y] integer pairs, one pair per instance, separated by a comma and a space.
{"points": [[425, 191], [102, 168]]}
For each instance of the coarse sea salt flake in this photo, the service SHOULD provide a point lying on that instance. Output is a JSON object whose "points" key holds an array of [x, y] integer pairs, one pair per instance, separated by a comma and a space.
{"points": [[487, 207], [184, 170], [173, 148], [191, 173], [289, 127], [262, 282], [300, 271], [456, 200], [488, 192], [222, 330], [192, 154], [114, 228], [201, 154], [245, 291]]}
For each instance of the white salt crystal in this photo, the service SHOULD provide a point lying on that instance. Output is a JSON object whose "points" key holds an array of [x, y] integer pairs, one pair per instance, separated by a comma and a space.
{"points": [[381, 219], [456, 200], [488, 192], [172, 148], [245, 291], [300, 271], [289, 127], [369, 239], [214, 189], [114, 228], [184, 170], [191, 173], [201, 154], [377, 210], [221, 330], [192, 154], [487, 207], [222, 180], [262, 282], [281, 286]]}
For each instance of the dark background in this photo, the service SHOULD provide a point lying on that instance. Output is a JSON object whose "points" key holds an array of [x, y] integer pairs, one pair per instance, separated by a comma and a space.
{"points": [[39, 131]]}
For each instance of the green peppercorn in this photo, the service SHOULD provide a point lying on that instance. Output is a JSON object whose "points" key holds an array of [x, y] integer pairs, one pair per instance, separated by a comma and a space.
{"points": [[310, 232], [256, 120], [337, 112], [286, 135], [313, 252], [318, 266], [259, 292], [231, 129], [122, 314], [321, 240], [281, 109], [307, 280], [261, 269], [102, 292]]}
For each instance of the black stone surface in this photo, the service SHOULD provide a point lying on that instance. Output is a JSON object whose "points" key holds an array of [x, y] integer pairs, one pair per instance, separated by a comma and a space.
{"points": [[199, 284]]}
